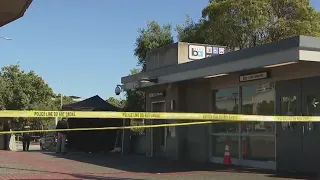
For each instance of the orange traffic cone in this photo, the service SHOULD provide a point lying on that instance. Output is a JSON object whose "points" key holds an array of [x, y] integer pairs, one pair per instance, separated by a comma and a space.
{"points": [[227, 157], [244, 148]]}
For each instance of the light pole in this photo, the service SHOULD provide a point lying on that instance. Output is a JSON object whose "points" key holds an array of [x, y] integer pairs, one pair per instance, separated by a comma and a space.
{"points": [[5, 38], [61, 100], [118, 90]]}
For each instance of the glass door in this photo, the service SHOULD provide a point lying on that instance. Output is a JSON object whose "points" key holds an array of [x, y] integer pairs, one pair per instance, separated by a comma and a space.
{"points": [[289, 134], [311, 130], [159, 133]]}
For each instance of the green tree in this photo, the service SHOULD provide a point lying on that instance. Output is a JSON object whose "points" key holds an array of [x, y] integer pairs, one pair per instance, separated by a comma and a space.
{"points": [[57, 101], [294, 17], [3, 90], [191, 31], [120, 103], [22, 90], [135, 100], [151, 37], [154, 36], [247, 23], [235, 23]]}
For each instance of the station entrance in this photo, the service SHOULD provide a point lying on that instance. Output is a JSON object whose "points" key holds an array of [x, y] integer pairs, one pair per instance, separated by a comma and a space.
{"points": [[298, 144], [158, 135]]}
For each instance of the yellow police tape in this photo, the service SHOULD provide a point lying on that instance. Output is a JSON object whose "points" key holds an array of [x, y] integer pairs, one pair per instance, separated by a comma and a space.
{"points": [[152, 115], [111, 128]]}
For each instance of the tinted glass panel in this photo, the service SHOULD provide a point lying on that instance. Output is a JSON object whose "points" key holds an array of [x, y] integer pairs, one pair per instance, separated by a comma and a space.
{"points": [[225, 101], [258, 148], [258, 100], [288, 107], [313, 109], [219, 144]]}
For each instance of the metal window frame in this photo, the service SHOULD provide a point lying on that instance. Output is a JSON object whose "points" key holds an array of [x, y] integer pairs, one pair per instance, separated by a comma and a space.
{"points": [[240, 160]]}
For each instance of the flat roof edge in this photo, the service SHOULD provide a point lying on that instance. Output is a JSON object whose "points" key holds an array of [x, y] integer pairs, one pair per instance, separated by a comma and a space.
{"points": [[303, 42], [308, 42]]}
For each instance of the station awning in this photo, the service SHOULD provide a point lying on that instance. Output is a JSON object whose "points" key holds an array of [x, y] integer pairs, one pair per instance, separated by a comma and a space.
{"points": [[10, 10]]}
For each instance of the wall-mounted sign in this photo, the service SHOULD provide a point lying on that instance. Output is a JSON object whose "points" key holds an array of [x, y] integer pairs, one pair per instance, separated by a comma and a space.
{"points": [[152, 95], [221, 50], [252, 77], [196, 52], [215, 50]]}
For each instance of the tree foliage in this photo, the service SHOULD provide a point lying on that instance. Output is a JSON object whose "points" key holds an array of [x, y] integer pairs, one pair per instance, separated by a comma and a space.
{"points": [[135, 100], [241, 24], [151, 37], [247, 23], [191, 32], [23, 90], [57, 102], [120, 103], [20, 90]]}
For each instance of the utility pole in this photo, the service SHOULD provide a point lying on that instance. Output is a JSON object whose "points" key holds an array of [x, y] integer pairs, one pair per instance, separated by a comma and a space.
{"points": [[61, 99], [61, 102]]}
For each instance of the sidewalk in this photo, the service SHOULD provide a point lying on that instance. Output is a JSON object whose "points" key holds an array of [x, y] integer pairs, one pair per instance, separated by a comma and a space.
{"points": [[32, 147], [36, 165]]}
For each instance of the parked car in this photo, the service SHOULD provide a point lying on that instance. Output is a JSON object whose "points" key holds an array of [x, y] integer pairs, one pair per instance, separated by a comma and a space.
{"points": [[48, 142]]}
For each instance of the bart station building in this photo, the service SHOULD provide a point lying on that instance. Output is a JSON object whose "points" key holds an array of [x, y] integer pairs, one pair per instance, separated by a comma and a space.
{"points": [[281, 78]]}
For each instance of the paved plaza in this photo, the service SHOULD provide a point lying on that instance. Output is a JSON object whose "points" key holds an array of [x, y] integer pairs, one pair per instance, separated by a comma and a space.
{"points": [[36, 165]]}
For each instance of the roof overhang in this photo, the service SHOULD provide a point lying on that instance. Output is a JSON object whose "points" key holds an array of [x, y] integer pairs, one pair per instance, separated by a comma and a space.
{"points": [[287, 51], [11, 10]]}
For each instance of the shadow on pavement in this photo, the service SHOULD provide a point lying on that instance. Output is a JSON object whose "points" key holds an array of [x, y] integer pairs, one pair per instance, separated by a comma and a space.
{"points": [[134, 163], [142, 164], [272, 173], [80, 176], [102, 178]]}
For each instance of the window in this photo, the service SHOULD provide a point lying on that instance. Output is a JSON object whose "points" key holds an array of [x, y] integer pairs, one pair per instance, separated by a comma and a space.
{"points": [[219, 144], [258, 138], [288, 107], [312, 109], [261, 148], [258, 100], [225, 101]]}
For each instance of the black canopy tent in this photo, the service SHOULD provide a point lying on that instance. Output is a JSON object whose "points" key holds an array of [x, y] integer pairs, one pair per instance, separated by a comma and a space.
{"points": [[92, 141]]}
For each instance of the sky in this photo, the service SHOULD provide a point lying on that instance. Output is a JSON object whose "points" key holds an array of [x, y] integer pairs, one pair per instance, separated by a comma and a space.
{"points": [[82, 47]]}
